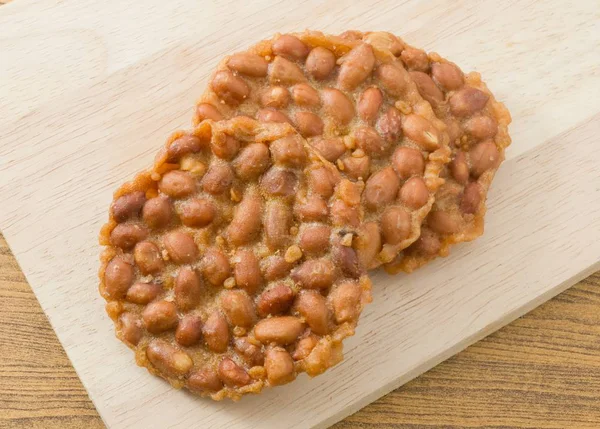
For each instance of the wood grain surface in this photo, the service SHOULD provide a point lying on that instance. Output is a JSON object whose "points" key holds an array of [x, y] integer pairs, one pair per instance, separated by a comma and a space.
{"points": [[541, 371]]}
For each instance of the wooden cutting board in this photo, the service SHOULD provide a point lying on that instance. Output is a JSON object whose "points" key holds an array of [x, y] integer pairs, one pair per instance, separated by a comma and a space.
{"points": [[90, 90]]}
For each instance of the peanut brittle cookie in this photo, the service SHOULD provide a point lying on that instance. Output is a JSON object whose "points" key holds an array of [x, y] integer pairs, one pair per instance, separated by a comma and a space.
{"points": [[356, 104], [212, 278]]}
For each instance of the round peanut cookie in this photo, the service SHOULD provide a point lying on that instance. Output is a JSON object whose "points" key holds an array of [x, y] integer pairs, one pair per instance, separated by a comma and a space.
{"points": [[477, 125], [356, 104], [213, 279]]}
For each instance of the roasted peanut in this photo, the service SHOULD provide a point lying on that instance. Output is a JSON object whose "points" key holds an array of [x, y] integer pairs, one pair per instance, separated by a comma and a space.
{"points": [[230, 88], [290, 47], [347, 260], [427, 87], [483, 156], [279, 366], [311, 305], [182, 146], [216, 332], [218, 178], [344, 215], [225, 148], [311, 209], [279, 182], [459, 168], [370, 141], [181, 247], [454, 131], [189, 330], [321, 181], [337, 105], [467, 101], [275, 96], [252, 161], [481, 127], [251, 353], [128, 205], [160, 316], [415, 59], [357, 167], [147, 257], [177, 184], [330, 148], [157, 212], [197, 212], [269, 114], [320, 63], [188, 289], [118, 276], [381, 188], [369, 103], [288, 151], [207, 111], [126, 235], [285, 72], [278, 220], [246, 223], [275, 300], [204, 380], [308, 124], [275, 267], [414, 193], [448, 76], [383, 40], [408, 162], [238, 308], [247, 271], [281, 330], [356, 66], [131, 328], [215, 266], [389, 125], [421, 131], [168, 359], [305, 95], [143, 293], [248, 64], [315, 239], [471, 198], [367, 243], [233, 375], [443, 222], [395, 225], [315, 274], [345, 301], [393, 78], [304, 347]]}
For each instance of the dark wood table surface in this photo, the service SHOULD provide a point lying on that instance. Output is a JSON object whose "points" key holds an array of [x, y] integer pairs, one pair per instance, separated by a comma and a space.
{"points": [[541, 371]]}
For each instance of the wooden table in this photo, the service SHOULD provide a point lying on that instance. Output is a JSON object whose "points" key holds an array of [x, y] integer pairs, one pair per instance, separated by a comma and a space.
{"points": [[541, 371]]}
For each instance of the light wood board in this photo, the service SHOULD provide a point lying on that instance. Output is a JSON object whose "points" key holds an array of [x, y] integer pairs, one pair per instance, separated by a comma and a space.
{"points": [[90, 89]]}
